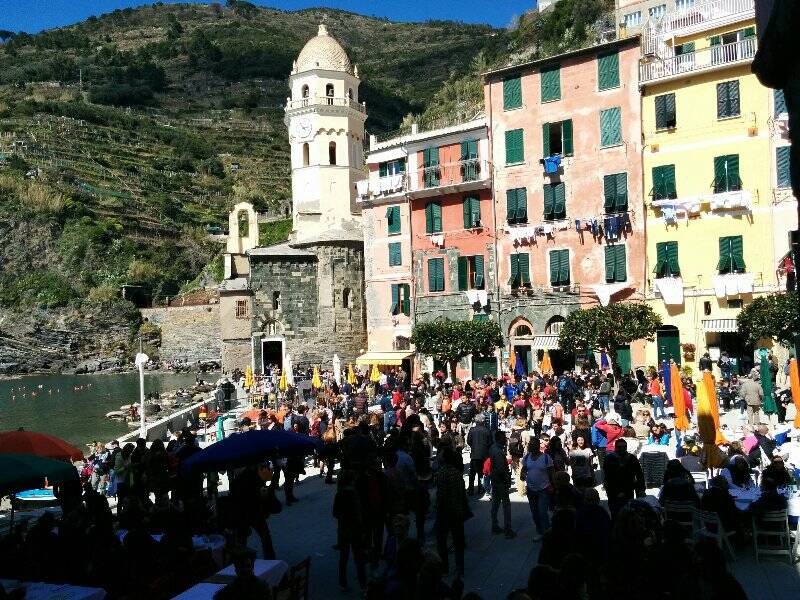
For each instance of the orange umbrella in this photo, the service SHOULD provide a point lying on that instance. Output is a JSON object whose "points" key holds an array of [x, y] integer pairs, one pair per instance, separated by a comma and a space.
{"points": [[711, 389], [794, 379], [39, 444], [708, 422], [678, 402], [512, 361], [546, 366]]}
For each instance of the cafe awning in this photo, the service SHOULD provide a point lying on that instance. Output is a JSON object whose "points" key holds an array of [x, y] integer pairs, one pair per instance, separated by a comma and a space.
{"points": [[719, 325], [545, 342], [387, 357]]}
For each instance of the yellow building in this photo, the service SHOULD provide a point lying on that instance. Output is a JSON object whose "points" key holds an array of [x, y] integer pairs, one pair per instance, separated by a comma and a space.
{"points": [[715, 218]]}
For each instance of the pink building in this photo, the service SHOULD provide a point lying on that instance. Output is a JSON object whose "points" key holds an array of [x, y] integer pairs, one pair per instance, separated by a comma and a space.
{"points": [[565, 135]]}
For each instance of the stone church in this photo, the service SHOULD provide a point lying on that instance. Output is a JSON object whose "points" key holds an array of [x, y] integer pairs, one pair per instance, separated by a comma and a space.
{"points": [[305, 297]]}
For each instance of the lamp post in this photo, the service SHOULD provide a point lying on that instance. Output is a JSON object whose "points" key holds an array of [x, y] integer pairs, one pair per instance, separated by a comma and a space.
{"points": [[141, 360]]}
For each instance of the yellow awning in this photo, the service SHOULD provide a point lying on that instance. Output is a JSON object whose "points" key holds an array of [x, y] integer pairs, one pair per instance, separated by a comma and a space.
{"points": [[387, 357]]}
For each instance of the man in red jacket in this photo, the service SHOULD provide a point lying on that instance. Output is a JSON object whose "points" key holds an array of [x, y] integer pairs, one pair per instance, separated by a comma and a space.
{"points": [[612, 430]]}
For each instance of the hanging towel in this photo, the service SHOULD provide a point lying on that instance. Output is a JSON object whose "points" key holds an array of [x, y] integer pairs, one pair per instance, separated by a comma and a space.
{"points": [[547, 229], [670, 214], [606, 290], [745, 283], [731, 284], [671, 290], [362, 187], [437, 240], [719, 286], [483, 297], [472, 296]]}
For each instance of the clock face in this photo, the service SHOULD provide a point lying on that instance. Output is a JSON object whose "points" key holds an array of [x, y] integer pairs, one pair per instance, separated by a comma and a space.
{"points": [[303, 128]]}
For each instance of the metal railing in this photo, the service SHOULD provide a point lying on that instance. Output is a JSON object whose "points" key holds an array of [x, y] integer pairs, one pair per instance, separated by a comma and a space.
{"points": [[326, 101], [447, 174], [705, 58], [704, 13]]}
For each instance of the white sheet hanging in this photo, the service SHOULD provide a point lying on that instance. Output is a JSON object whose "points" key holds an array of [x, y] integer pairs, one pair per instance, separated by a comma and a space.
{"points": [[606, 290], [671, 289], [483, 297], [437, 240], [472, 296]]}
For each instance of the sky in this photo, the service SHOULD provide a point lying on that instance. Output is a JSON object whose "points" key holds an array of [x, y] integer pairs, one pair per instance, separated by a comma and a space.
{"points": [[35, 15]]}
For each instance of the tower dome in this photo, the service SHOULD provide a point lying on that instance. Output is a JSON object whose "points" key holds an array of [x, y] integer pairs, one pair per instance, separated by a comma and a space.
{"points": [[323, 52]]}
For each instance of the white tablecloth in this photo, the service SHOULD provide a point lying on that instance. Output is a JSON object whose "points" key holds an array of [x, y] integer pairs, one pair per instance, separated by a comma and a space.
{"points": [[215, 543], [53, 591], [745, 497], [269, 571]]}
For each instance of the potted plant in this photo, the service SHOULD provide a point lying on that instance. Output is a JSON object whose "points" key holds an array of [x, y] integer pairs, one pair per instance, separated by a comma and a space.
{"points": [[688, 351]]}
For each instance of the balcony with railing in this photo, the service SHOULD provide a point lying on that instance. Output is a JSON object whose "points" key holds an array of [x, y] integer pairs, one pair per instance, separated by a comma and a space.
{"points": [[462, 175], [702, 16], [705, 59], [325, 101]]}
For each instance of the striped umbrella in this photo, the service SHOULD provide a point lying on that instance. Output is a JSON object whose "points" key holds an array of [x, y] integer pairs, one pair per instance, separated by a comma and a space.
{"points": [[678, 402], [794, 379]]}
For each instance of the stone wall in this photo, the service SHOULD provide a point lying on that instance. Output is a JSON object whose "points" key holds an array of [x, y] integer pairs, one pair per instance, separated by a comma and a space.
{"points": [[187, 332]]}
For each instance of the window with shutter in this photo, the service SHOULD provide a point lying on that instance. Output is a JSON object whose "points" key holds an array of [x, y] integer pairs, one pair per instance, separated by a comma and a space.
{"points": [[780, 102], [524, 268], [514, 147], [784, 179], [433, 217], [566, 137], [559, 267], [546, 140], [405, 299], [622, 193], [512, 93], [436, 275], [559, 201], [430, 158], [393, 219], [395, 255], [395, 308], [551, 83], [478, 271], [463, 273], [472, 211], [727, 99], [549, 201], [610, 127], [469, 160], [667, 260], [615, 192], [383, 169], [665, 111], [480, 317], [726, 174], [607, 71], [664, 183], [513, 280], [616, 269], [517, 206], [731, 255]]}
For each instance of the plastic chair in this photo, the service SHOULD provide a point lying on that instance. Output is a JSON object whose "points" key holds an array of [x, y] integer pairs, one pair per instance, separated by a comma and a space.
{"points": [[683, 514], [700, 480], [771, 535], [299, 575], [708, 524]]}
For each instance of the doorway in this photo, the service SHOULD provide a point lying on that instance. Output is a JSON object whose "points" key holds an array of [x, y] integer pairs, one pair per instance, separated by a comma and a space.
{"points": [[735, 344], [668, 341], [524, 354], [271, 354]]}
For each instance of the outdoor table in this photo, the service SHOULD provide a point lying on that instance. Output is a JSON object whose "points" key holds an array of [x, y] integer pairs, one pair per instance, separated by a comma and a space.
{"points": [[215, 543], [53, 591], [270, 572], [743, 498]]}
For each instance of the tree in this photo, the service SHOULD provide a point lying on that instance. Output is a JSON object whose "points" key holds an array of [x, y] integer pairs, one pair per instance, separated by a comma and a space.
{"points": [[776, 316], [450, 341], [608, 327]]}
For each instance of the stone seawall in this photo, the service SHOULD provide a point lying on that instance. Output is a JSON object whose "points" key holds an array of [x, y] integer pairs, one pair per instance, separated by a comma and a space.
{"points": [[187, 332]]}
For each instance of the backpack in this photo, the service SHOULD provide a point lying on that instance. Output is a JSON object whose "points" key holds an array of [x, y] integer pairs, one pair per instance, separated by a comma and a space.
{"points": [[487, 467], [515, 444]]}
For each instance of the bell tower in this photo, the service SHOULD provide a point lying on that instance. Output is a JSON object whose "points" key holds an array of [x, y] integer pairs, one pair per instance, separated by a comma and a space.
{"points": [[326, 133]]}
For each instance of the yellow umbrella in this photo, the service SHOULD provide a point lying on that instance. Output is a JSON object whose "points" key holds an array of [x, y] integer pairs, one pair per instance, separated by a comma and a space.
{"points": [[248, 377], [375, 376], [678, 403], [316, 382], [351, 376], [282, 384], [711, 389], [546, 366], [512, 361], [794, 380], [708, 422]]}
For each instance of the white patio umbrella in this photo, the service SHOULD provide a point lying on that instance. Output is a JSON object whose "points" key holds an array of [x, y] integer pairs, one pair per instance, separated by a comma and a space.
{"points": [[337, 369], [287, 366]]}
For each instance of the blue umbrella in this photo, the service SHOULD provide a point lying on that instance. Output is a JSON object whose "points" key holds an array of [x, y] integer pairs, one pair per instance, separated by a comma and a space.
{"points": [[604, 366], [519, 367], [667, 377], [242, 449]]}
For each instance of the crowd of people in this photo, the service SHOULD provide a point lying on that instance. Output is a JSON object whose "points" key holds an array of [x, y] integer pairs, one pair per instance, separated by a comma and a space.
{"points": [[410, 460]]}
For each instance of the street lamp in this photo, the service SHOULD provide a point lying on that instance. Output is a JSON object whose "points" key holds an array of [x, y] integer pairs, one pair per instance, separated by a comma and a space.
{"points": [[141, 361]]}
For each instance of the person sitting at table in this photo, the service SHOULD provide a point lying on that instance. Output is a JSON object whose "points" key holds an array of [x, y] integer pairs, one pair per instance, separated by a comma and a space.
{"points": [[718, 500], [777, 471], [769, 499], [246, 586], [690, 460], [658, 436], [678, 485], [736, 469], [763, 443]]}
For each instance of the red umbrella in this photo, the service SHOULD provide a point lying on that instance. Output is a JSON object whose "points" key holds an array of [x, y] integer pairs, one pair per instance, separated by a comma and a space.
{"points": [[39, 444]]}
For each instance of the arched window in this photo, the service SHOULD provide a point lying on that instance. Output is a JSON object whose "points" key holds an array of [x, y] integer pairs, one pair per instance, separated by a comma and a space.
{"points": [[346, 294], [306, 155], [332, 153], [554, 325], [244, 223], [522, 330], [304, 91], [329, 93]]}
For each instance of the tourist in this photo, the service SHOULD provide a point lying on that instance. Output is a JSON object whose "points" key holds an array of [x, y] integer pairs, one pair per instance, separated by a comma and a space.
{"points": [[656, 392], [451, 508], [253, 502], [678, 485], [500, 475], [658, 436], [752, 396], [349, 514], [622, 477], [777, 472], [718, 500], [537, 471], [611, 430], [479, 440], [580, 462]]}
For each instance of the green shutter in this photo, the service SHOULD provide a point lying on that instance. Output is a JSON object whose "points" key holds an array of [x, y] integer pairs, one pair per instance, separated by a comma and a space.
{"points": [[405, 299], [620, 269], [464, 150], [564, 267], [672, 116], [749, 32], [610, 127], [463, 271], [665, 111], [549, 201], [737, 253], [436, 274], [551, 83], [522, 205], [395, 255], [560, 201], [481, 317], [661, 259], [664, 182], [566, 137], [686, 48], [726, 173], [780, 102], [472, 211], [784, 179], [512, 93], [429, 218], [393, 219], [383, 169], [478, 281], [727, 99], [524, 268], [715, 40], [545, 139], [610, 263], [607, 71], [513, 280], [622, 192], [724, 264], [395, 300], [437, 216], [430, 158], [511, 206], [401, 165], [555, 260], [514, 147], [734, 182], [609, 192], [672, 259]]}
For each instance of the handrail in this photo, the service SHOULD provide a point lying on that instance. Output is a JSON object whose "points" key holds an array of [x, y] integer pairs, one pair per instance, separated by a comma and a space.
{"points": [[431, 177], [325, 101], [699, 60]]}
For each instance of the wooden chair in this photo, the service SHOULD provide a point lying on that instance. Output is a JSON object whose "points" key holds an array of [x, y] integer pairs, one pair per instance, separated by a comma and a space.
{"points": [[683, 514], [707, 524], [771, 535], [299, 576]]}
